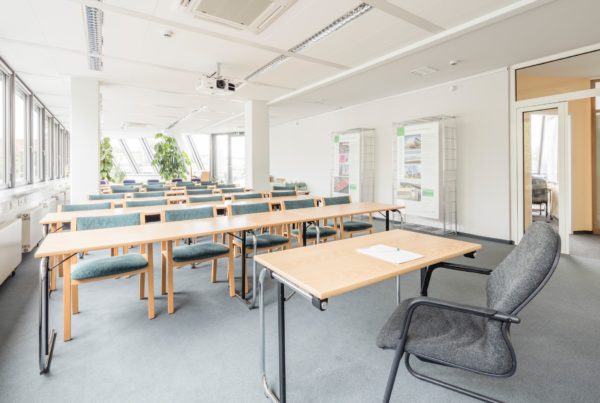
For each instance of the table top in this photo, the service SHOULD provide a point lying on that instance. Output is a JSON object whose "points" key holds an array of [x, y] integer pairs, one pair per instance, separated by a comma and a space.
{"points": [[70, 242], [68, 216], [340, 210], [333, 268]]}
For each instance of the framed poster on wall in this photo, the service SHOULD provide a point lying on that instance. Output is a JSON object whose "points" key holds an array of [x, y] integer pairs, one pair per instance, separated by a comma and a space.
{"points": [[425, 170]]}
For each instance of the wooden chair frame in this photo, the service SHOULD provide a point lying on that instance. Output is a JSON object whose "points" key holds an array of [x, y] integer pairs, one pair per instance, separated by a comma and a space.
{"points": [[299, 226], [168, 265]]}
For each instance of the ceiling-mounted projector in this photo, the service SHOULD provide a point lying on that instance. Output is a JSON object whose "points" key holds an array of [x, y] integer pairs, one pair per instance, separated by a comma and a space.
{"points": [[215, 86]]}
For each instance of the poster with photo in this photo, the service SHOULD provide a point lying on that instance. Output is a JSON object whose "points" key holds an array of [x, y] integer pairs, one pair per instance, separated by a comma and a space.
{"points": [[418, 168]]}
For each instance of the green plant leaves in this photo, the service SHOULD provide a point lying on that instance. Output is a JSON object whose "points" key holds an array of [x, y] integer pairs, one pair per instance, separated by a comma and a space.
{"points": [[168, 159], [106, 159]]}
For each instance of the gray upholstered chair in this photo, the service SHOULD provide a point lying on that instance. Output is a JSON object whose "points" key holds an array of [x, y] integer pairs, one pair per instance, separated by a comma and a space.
{"points": [[283, 193], [191, 254], [247, 195], [196, 192], [141, 195], [540, 194], [108, 196], [325, 232], [348, 226], [472, 338], [115, 266]]}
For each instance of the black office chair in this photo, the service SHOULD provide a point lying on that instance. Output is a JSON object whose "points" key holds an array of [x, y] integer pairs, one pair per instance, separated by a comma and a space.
{"points": [[472, 338]]}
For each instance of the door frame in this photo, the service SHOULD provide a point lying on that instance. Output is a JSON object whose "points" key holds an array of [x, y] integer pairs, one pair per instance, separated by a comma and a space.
{"points": [[564, 170]]}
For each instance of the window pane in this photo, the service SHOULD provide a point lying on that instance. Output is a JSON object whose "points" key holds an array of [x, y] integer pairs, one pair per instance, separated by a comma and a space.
{"points": [[55, 149], [120, 158], [20, 138], [202, 146], [140, 156], [3, 154], [48, 149], [238, 153], [35, 140], [221, 156]]}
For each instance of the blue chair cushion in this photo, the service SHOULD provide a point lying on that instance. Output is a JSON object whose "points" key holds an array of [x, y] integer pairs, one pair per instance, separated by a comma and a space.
{"points": [[84, 207], [283, 193], [237, 209], [189, 214], [145, 203], [150, 193], [311, 232], [108, 196], [121, 220], [108, 266], [232, 190], [204, 199], [295, 204], [242, 196], [266, 241], [198, 251], [356, 226], [199, 192]]}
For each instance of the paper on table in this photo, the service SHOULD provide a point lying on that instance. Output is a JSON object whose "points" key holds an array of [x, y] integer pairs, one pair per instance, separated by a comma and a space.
{"points": [[389, 253]]}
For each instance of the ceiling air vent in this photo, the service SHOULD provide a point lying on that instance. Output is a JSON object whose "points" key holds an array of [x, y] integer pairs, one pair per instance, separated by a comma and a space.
{"points": [[423, 71], [248, 15]]}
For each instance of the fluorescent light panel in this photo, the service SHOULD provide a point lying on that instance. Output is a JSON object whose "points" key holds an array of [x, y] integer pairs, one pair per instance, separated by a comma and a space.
{"points": [[329, 29], [94, 18]]}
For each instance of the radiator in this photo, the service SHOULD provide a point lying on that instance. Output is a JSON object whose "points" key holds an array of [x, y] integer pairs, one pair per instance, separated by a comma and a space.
{"points": [[10, 248], [32, 230]]}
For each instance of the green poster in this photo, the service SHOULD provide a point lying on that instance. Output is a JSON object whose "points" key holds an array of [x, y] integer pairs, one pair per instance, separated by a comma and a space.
{"points": [[336, 139], [427, 192], [400, 131], [352, 187]]}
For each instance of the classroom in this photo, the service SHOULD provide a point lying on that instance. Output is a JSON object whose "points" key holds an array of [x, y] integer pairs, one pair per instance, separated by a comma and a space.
{"points": [[299, 201]]}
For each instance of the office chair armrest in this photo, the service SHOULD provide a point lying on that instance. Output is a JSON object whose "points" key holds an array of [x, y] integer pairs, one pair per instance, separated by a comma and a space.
{"points": [[452, 306], [450, 266]]}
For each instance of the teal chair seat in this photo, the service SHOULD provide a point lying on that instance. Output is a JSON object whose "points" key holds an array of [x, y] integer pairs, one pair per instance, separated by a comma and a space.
{"points": [[330, 201], [266, 241], [203, 199], [283, 193], [243, 196], [232, 190], [199, 192], [198, 251], [356, 226], [311, 232], [84, 207], [108, 266], [145, 203], [108, 196], [150, 193]]}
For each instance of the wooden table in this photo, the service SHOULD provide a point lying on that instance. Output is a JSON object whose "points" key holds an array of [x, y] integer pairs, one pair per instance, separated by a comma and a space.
{"points": [[330, 269], [61, 245]]}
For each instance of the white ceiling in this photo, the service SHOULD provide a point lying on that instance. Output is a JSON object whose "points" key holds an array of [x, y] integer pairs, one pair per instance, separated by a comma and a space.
{"points": [[149, 79]]}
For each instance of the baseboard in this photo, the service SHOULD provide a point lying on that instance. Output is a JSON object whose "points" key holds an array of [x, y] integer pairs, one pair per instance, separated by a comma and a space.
{"points": [[466, 234], [584, 232], [487, 238]]}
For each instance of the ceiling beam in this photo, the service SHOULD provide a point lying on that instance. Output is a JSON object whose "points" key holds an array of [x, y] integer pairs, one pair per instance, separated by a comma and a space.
{"points": [[405, 15], [201, 31]]}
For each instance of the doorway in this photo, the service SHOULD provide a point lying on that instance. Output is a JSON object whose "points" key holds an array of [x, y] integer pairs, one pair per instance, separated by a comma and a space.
{"points": [[545, 168]]}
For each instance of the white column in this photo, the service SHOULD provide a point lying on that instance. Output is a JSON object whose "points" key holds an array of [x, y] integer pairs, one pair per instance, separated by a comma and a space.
{"points": [[257, 145], [85, 138]]}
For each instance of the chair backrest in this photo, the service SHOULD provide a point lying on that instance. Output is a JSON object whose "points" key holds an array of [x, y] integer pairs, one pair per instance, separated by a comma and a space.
{"points": [[239, 209], [157, 188], [149, 181], [204, 199], [295, 204], [138, 195], [200, 192], [121, 220], [283, 193], [226, 185], [144, 203], [108, 196], [176, 180], [184, 183], [128, 181], [247, 195], [330, 201], [86, 206], [525, 271], [284, 187], [189, 214], [232, 190], [123, 189]]}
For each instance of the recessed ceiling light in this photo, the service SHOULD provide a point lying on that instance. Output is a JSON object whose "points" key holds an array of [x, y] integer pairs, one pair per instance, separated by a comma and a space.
{"points": [[94, 18], [423, 71]]}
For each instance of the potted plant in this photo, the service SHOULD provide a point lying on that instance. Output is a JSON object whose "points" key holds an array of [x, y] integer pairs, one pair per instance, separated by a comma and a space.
{"points": [[106, 159], [168, 159]]}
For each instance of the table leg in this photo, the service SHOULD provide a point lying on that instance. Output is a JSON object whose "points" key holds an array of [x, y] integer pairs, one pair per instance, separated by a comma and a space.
{"points": [[45, 343], [303, 233], [261, 306], [281, 331], [398, 298], [67, 299], [243, 290]]}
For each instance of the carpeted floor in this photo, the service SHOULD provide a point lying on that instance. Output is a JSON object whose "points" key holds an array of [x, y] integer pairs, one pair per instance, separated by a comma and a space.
{"points": [[208, 350]]}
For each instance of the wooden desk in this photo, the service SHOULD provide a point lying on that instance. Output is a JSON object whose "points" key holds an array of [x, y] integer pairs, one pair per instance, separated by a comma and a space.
{"points": [[330, 269]]}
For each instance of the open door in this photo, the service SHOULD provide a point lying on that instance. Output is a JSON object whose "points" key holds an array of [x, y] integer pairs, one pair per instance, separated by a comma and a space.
{"points": [[545, 185]]}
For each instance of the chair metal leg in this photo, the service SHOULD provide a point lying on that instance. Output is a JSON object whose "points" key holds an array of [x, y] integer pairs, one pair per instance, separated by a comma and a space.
{"points": [[446, 385], [393, 372]]}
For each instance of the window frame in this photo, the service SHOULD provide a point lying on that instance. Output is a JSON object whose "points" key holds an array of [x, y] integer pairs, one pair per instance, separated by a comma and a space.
{"points": [[18, 88], [39, 109], [213, 152], [4, 128]]}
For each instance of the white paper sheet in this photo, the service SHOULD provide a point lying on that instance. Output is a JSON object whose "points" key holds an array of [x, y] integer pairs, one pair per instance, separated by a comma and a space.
{"points": [[390, 254]]}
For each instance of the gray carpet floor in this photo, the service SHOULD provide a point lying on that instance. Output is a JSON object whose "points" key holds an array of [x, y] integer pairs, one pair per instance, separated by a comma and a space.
{"points": [[208, 350]]}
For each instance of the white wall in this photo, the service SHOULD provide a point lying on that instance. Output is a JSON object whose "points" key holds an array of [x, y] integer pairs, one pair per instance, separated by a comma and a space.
{"points": [[302, 150]]}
